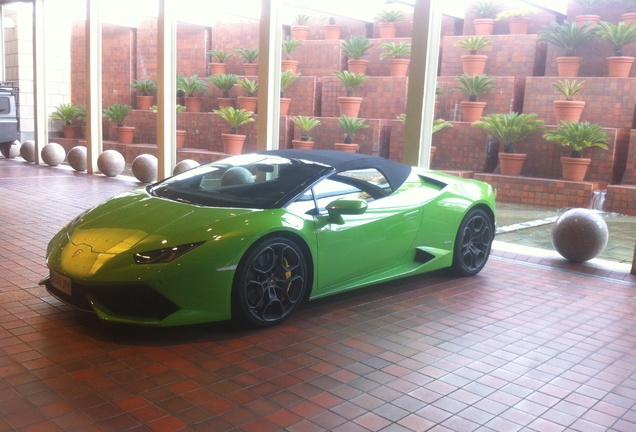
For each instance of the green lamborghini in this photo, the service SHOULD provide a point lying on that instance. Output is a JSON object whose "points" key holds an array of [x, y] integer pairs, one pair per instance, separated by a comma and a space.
{"points": [[252, 236]]}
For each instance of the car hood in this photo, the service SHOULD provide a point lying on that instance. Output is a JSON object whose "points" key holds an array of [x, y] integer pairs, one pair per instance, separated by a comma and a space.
{"points": [[123, 222]]}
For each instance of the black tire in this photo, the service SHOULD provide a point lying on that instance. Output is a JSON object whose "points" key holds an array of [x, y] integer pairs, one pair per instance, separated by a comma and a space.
{"points": [[473, 243], [270, 282]]}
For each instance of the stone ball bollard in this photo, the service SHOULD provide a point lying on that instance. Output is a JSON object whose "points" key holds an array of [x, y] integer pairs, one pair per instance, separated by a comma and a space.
{"points": [[184, 165], [579, 234], [77, 158], [111, 163], [53, 154], [12, 150], [27, 151], [144, 167]]}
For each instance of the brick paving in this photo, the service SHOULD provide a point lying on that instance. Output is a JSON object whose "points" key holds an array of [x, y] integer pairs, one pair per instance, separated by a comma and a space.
{"points": [[530, 344]]}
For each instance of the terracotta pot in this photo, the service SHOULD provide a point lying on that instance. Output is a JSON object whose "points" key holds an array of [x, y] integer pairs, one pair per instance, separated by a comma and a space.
{"points": [[217, 68], [357, 66], [125, 134], [574, 169], [518, 25], [181, 135], [193, 103], [225, 102], [350, 105], [71, 131], [619, 67], [232, 143], [628, 17], [332, 32], [300, 32], [144, 102], [349, 148], [248, 103], [250, 69], [484, 26], [582, 19], [567, 110], [387, 30], [284, 106], [568, 66], [511, 163], [472, 111], [474, 64], [291, 65], [303, 145], [399, 67]]}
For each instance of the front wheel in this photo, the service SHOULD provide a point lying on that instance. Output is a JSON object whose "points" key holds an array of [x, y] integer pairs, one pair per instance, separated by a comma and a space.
{"points": [[473, 243], [270, 282]]}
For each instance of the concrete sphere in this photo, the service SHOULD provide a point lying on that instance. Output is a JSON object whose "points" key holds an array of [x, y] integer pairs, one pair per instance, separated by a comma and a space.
{"points": [[11, 151], [111, 163], [77, 158], [184, 165], [27, 151], [53, 154], [579, 234], [144, 167]]}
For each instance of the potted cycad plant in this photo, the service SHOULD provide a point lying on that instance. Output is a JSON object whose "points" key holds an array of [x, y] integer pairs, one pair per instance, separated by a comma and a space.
{"points": [[305, 124], [473, 86], [518, 20], [331, 30], [248, 102], [68, 113], [356, 47], [181, 133], [509, 129], [617, 35], [590, 14], [569, 37], [289, 46], [398, 54], [484, 13], [225, 83], [249, 55], [287, 78], [473, 63], [387, 22], [350, 126], [629, 14], [117, 113], [300, 30], [235, 118], [145, 89], [350, 104], [568, 109], [220, 65], [192, 87], [576, 137]]}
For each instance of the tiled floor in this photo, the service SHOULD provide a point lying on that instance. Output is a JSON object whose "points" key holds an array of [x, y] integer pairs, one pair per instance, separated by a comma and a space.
{"points": [[530, 344]]}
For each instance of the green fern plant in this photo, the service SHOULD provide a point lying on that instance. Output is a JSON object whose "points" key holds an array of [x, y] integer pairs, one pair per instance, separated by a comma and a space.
{"points": [[578, 136], [474, 43], [617, 35], [224, 82], [351, 80], [474, 85], [350, 126], [220, 56], [510, 128], [235, 118]]}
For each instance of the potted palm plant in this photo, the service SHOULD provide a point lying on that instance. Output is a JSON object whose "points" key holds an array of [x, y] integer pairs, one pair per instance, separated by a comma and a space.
{"points": [[629, 15], [356, 47], [249, 55], [350, 104], [117, 113], [617, 35], [225, 83], [305, 124], [509, 129], [332, 30], [518, 20], [568, 108], [569, 37], [484, 13], [576, 137], [350, 126], [473, 86], [145, 89], [398, 54], [287, 78], [68, 113], [219, 66], [289, 46], [235, 118], [191, 87], [300, 30], [387, 22], [249, 102], [473, 63], [589, 15]]}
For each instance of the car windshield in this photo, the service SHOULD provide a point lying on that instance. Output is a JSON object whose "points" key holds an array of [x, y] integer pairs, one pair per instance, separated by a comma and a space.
{"points": [[246, 181]]}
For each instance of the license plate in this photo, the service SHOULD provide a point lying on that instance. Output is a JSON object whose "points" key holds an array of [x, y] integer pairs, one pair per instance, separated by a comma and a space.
{"points": [[61, 283]]}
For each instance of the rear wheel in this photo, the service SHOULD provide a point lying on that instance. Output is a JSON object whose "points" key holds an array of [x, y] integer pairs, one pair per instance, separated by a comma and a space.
{"points": [[270, 282], [473, 243]]}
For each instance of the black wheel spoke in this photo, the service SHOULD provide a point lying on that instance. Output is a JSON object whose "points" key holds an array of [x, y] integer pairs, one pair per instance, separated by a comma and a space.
{"points": [[475, 240]]}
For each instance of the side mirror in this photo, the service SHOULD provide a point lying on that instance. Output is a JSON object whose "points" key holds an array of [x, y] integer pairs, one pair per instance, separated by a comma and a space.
{"points": [[341, 207]]}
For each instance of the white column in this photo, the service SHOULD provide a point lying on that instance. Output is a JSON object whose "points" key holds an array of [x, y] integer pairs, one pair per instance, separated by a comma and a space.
{"points": [[93, 51], [39, 84], [166, 90]]}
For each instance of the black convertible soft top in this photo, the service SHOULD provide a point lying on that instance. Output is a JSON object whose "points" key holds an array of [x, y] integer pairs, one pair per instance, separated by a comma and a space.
{"points": [[395, 173]]}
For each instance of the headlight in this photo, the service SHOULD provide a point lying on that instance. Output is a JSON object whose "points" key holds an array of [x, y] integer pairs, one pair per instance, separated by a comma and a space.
{"points": [[164, 255]]}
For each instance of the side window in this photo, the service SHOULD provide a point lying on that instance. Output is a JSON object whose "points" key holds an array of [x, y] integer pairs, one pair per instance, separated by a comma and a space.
{"points": [[5, 105]]}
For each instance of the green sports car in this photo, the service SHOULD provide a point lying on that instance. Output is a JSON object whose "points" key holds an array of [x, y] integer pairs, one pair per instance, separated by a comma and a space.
{"points": [[252, 236]]}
